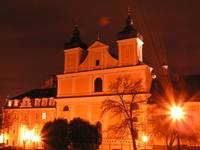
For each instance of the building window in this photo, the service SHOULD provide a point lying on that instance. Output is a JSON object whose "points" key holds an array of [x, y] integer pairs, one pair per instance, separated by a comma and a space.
{"points": [[9, 103], [98, 85], [16, 103], [15, 116], [25, 116], [66, 108], [97, 62], [44, 116], [44, 101], [36, 116], [37, 102]]}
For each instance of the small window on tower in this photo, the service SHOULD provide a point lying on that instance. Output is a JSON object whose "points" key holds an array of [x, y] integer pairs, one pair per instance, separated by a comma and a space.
{"points": [[97, 62]]}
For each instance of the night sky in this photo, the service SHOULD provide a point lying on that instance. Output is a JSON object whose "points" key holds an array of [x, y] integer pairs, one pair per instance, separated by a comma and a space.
{"points": [[33, 32]]}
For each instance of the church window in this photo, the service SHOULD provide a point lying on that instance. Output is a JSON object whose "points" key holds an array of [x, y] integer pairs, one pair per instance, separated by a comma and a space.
{"points": [[98, 85], [66, 108], [97, 62]]}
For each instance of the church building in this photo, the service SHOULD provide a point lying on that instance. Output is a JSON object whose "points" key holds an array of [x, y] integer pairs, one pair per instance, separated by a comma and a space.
{"points": [[84, 84]]}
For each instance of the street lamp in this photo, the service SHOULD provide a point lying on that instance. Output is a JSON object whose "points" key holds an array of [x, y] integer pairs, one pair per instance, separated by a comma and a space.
{"points": [[145, 139], [30, 136], [177, 113]]}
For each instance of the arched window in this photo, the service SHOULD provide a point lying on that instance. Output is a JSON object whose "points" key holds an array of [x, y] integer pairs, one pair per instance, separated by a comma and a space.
{"points": [[98, 85], [66, 108]]}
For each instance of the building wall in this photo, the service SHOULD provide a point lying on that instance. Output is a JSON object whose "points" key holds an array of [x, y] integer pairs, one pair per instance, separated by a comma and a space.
{"points": [[98, 52], [76, 95], [26, 118], [82, 83], [76, 88], [90, 109], [130, 51]]}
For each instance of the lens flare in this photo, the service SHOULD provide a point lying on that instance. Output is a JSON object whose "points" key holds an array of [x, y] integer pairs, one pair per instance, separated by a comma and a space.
{"points": [[177, 113]]}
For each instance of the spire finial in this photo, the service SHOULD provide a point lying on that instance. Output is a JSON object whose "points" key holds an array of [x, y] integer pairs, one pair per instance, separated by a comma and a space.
{"points": [[129, 10], [98, 36], [129, 20], [76, 32]]}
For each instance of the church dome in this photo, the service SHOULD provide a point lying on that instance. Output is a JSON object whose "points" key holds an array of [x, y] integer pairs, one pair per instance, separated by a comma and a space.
{"points": [[75, 41], [128, 31]]}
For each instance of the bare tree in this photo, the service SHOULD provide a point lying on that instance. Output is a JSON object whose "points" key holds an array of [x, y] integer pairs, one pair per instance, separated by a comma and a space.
{"points": [[172, 133], [161, 129], [124, 106]]}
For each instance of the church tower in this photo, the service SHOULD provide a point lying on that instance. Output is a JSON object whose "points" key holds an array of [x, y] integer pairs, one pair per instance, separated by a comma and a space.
{"points": [[74, 50], [129, 44]]}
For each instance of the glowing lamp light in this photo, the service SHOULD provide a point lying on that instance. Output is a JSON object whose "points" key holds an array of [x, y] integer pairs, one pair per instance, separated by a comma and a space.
{"points": [[145, 138], [36, 138], [1, 138], [177, 113], [27, 134]]}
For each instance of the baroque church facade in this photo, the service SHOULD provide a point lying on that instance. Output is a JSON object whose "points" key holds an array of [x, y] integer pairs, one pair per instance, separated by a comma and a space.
{"points": [[81, 89]]}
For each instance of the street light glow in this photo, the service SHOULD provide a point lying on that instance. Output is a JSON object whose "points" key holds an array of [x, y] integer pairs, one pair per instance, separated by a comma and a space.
{"points": [[177, 113], [145, 138], [1, 138], [27, 134]]}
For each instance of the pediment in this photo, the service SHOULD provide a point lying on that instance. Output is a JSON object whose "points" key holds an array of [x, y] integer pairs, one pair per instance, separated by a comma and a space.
{"points": [[97, 44]]}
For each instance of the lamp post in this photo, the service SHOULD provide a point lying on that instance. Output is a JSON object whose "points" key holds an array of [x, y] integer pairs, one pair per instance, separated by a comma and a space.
{"points": [[177, 114]]}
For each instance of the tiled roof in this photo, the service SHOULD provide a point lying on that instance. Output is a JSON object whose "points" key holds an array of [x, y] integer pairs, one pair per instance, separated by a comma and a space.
{"points": [[38, 93]]}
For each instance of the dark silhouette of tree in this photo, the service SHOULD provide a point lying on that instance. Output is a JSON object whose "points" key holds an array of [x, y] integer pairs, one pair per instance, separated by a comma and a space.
{"points": [[124, 107], [55, 135], [83, 135], [77, 135]]}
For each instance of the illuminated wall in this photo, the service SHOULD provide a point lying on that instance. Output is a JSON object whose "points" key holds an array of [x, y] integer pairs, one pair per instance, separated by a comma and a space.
{"points": [[24, 119]]}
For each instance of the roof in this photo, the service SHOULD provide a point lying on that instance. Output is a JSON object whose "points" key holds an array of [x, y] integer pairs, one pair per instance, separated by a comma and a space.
{"points": [[37, 93], [75, 41], [128, 31], [186, 86]]}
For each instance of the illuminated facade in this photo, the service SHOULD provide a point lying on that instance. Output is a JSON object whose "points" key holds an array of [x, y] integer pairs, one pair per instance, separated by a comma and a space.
{"points": [[81, 89], [25, 115], [88, 73]]}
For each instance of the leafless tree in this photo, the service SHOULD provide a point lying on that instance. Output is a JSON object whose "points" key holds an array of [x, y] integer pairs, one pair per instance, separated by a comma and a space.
{"points": [[124, 107], [161, 129], [172, 132]]}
